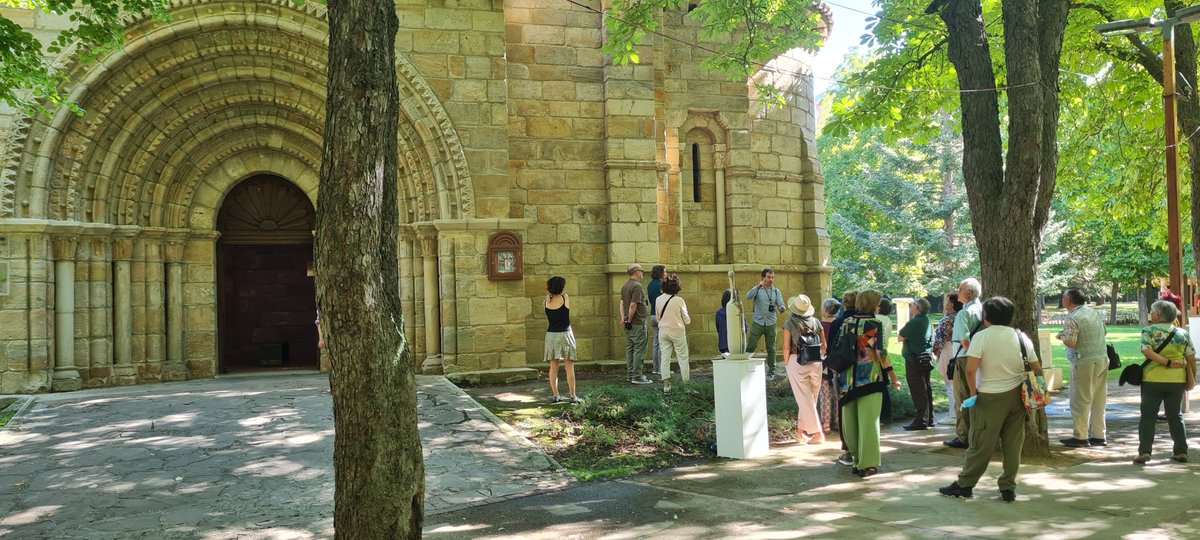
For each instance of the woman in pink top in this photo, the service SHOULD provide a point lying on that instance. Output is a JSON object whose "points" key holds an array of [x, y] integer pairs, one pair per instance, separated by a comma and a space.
{"points": [[673, 319]]}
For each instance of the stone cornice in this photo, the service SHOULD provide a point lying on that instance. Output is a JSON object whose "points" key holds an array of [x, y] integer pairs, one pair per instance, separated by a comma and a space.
{"points": [[489, 225], [754, 269]]}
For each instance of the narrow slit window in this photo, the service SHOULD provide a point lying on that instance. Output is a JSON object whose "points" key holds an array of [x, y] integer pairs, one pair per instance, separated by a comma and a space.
{"points": [[695, 172]]}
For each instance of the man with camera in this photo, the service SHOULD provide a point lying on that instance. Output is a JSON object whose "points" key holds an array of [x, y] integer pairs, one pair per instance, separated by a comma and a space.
{"points": [[768, 302], [633, 318]]}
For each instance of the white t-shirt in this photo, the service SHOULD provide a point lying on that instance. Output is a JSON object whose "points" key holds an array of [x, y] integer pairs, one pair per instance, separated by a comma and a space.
{"points": [[1000, 365]]}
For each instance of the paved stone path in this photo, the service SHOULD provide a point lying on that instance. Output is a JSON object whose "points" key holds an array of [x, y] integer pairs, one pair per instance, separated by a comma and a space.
{"points": [[240, 457]]}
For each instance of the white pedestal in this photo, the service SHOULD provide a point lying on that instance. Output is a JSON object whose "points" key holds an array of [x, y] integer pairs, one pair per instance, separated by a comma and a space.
{"points": [[1052, 375], [1193, 330], [741, 407]]}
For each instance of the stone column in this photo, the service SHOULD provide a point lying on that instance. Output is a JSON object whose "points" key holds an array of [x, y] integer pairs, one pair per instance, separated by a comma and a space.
{"points": [[719, 166], [153, 328], [66, 377], [173, 368], [408, 293], [433, 342], [123, 371], [100, 315]]}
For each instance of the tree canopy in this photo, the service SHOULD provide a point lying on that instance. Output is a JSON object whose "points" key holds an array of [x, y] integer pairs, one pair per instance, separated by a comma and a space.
{"points": [[28, 80]]}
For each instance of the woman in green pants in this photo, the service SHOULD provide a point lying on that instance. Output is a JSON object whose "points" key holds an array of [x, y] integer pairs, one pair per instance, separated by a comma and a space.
{"points": [[1170, 374], [861, 386]]}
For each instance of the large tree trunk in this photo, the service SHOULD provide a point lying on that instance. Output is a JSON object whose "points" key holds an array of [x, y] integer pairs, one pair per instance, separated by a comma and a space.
{"points": [[1010, 198], [379, 474]]}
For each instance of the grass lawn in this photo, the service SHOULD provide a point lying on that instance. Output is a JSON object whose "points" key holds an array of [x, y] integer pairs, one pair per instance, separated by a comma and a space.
{"points": [[1125, 338], [621, 429], [8, 408]]}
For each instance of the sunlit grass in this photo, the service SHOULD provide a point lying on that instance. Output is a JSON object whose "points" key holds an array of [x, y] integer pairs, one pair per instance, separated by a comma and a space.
{"points": [[8, 408]]}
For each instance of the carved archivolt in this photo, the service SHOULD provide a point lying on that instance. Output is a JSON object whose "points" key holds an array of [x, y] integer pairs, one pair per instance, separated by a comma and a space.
{"points": [[127, 164]]}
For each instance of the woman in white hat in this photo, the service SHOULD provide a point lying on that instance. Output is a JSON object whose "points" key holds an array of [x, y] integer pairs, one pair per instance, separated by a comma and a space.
{"points": [[803, 349]]}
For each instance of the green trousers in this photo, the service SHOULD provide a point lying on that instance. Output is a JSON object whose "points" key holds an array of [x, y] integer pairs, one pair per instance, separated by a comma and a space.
{"points": [[995, 418], [767, 331], [1170, 396], [860, 429]]}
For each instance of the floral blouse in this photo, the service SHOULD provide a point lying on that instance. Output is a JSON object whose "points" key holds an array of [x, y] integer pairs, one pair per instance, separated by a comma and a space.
{"points": [[941, 336]]}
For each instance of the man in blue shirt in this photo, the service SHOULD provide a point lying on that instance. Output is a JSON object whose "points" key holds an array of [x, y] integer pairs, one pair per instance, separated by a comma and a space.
{"points": [[768, 303], [968, 321]]}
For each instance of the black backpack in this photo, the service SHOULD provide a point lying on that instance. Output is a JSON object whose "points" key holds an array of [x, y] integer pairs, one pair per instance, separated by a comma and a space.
{"points": [[844, 353], [807, 344]]}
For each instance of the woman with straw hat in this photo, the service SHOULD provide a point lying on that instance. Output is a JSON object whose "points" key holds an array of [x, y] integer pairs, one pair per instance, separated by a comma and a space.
{"points": [[803, 349]]}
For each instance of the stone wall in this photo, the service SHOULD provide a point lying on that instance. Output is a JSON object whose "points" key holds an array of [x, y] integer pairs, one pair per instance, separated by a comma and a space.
{"points": [[512, 120]]}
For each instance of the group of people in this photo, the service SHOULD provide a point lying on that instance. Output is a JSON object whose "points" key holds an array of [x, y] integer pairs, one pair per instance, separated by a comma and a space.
{"points": [[658, 303], [981, 357]]}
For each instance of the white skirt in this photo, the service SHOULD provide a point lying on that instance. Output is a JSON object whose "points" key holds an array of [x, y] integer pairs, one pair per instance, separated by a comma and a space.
{"points": [[560, 346]]}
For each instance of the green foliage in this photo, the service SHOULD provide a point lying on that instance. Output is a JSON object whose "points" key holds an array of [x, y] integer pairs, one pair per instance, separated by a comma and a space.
{"points": [[888, 206], [1109, 205], [8, 409], [27, 79], [741, 36]]}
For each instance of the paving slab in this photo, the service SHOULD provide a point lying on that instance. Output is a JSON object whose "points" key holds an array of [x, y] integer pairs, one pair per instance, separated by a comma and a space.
{"points": [[236, 457]]}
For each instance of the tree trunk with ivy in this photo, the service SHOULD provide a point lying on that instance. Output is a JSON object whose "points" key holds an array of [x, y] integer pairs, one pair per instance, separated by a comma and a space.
{"points": [[379, 473], [1009, 193]]}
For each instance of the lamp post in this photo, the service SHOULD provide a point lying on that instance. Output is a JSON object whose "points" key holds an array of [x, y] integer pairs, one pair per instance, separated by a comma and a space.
{"points": [[1130, 26]]}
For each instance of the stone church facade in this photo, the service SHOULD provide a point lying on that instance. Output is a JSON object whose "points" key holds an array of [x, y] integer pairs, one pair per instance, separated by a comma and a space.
{"points": [[166, 233]]}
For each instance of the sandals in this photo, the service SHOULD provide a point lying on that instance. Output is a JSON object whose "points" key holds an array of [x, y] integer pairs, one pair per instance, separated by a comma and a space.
{"points": [[1141, 459], [865, 473], [1182, 458]]}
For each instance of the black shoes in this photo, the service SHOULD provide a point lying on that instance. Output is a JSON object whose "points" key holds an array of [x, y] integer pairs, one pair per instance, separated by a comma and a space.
{"points": [[1075, 443], [957, 443], [1097, 442], [1008, 495], [955, 490], [916, 426]]}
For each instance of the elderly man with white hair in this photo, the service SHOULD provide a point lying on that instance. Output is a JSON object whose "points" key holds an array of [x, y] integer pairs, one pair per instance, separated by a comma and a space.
{"points": [[966, 324]]}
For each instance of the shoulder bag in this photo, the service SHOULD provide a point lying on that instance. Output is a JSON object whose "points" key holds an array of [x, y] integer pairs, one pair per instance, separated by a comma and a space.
{"points": [[1032, 394], [1132, 373]]}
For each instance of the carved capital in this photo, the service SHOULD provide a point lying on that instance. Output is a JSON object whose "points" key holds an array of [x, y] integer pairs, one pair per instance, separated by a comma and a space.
{"points": [[122, 249], [99, 247], [173, 250], [63, 246], [428, 239]]}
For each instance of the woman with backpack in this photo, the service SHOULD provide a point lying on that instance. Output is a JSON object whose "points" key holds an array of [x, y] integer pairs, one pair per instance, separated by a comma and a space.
{"points": [[803, 348], [861, 385]]}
